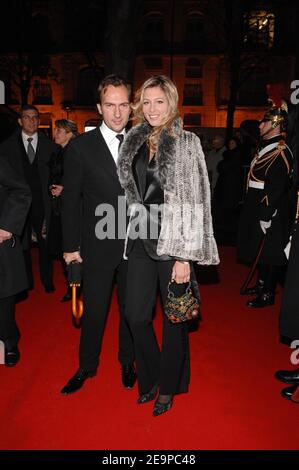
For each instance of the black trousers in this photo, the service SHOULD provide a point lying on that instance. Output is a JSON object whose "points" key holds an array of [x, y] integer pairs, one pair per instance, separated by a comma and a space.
{"points": [[35, 221], [270, 275], [9, 331], [97, 289], [170, 367]]}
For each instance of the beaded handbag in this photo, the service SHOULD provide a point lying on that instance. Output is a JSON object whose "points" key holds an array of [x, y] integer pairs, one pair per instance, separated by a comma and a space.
{"points": [[181, 308]]}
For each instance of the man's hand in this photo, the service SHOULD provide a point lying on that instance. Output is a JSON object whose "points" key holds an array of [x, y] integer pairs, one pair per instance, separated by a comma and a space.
{"points": [[75, 256], [265, 225], [56, 190], [181, 272], [4, 235]]}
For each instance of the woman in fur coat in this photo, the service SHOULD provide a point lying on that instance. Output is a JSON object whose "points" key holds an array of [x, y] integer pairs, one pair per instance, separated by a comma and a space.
{"points": [[162, 170]]}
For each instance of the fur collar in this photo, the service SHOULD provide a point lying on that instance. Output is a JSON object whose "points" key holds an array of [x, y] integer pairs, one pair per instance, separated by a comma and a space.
{"points": [[165, 156]]}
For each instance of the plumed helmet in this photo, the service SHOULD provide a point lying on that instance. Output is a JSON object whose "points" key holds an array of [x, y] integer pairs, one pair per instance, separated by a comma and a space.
{"points": [[278, 113]]}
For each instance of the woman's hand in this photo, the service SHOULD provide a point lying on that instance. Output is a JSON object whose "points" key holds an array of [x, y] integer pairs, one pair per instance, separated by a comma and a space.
{"points": [[70, 257], [56, 190], [181, 272], [4, 235]]}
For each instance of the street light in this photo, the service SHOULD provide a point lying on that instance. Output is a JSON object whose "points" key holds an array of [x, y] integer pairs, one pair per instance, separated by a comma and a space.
{"points": [[68, 107]]}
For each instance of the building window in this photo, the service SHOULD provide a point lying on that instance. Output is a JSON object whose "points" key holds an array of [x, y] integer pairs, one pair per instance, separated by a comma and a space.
{"points": [[46, 124], [88, 81], [194, 27], [193, 68], [153, 63], [6, 79], [259, 28], [42, 93], [154, 27], [192, 120], [192, 94], [41, 28], [91, 124]]}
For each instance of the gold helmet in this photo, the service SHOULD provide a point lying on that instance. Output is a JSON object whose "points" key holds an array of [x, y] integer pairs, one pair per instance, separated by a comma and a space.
{"points": [[278, 113]]}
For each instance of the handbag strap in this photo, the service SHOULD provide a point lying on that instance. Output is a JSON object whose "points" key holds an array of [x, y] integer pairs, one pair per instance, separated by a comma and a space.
{"points": [[171, 294]]}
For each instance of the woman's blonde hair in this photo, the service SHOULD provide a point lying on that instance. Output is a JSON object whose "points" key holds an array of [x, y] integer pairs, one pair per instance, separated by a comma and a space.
{"points": [[170, 90]]}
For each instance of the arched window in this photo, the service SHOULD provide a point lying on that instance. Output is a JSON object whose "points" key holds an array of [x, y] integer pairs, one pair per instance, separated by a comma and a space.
{"points": [[259, 28], [41, 30], [192, 94], [88, 81], [5, 86], [42, 92], [193, 68], [192, 120], [194, 28], [154, 27]]}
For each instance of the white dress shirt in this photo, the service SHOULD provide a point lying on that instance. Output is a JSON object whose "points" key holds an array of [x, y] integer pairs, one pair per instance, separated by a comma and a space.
{"points": [[111, 140], [25, 138]]}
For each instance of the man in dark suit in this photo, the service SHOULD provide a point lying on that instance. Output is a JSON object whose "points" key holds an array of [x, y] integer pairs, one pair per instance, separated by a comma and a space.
{"points": [[29, 149], [15, 200], [90, 178]]}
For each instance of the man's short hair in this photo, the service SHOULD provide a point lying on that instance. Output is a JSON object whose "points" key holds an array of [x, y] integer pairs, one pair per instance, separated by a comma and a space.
{"points": [[27, 107], [114, 80]]}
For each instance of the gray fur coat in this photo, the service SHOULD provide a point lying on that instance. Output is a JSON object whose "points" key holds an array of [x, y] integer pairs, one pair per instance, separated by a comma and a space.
{"points": [[186, 228]]}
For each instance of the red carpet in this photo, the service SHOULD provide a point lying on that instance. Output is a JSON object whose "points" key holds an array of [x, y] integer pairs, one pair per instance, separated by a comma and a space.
{"points": [[234, 402]]}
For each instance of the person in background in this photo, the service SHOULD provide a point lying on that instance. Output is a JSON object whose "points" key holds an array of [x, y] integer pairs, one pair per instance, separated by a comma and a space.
{"points": [[29, 151], [160, 163], [65, 131], [228, 194], [213, 158], [15, 199]]}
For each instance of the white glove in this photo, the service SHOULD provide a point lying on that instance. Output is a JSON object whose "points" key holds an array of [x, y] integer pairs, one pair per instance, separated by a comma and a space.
{"points": [[265, 225], [287, 248]]}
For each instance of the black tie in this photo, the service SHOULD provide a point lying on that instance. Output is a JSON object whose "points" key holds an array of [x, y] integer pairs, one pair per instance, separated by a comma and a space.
{"points": [[120, 137], [30, 150]]}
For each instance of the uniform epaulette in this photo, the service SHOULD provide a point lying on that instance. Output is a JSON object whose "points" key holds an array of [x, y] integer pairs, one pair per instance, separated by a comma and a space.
{"points": [[281, 145]]}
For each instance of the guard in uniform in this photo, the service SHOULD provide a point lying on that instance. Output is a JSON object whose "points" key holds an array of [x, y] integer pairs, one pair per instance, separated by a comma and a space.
{"points": [[266, 212]]}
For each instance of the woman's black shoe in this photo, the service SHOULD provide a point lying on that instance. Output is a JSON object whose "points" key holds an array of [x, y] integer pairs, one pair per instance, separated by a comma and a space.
{"points": [[12, 357], [160, 407], [149, 396]]}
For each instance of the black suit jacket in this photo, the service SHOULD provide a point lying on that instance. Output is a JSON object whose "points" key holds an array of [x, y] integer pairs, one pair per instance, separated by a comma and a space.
{"points": [[15, 200], [91, 186], [14, 150]]}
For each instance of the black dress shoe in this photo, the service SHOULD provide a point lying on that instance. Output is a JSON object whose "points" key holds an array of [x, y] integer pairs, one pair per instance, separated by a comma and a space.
{"points": [[263, 300], [160, 408], [288, 376], [128, 376], [12, 357], [77, 381], [287, 392], [254, 290], [149, 396]]}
